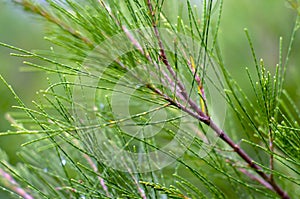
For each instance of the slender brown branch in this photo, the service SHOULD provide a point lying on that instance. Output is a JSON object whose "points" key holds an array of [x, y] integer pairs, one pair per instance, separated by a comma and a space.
{"points": [[148, 57], [209, 122], [164, 59], [182, 95], [163, 56], [231, 143], [178, 105], [255, 178], [201, 116], [248, 159]]}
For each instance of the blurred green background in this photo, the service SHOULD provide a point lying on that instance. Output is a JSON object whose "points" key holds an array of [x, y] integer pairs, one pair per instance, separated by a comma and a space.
{"points": [[266, 21], [23, 30], [19, 29]]}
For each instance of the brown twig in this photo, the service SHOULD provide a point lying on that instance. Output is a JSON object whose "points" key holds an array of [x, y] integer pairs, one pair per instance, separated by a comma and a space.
{"points": [[207, 120], [164, 59], [231, 143], [255, 178], [248, 159]]}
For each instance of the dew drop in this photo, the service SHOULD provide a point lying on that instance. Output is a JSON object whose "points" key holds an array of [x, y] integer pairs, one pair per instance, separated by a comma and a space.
{"points": [[101, 105], [63, 162]]}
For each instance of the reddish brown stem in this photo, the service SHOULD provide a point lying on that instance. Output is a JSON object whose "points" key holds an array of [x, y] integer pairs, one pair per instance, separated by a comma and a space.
{"points": [[248, 159], [259, 180], [206, 119], [164, 59], [231, 143]]}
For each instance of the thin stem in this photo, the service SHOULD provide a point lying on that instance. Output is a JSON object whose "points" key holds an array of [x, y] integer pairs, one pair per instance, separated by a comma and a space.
{"points": [[57, 21], [259, 180], [178, 105], [14, 185], [164, 59], [231, 143], [140, 190], [201, 91], [247, 159], [95, 169], [271, 146], [202, 117], [148, 57]]}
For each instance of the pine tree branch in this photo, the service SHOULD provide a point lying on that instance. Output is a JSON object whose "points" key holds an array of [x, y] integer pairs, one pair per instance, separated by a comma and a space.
{"points": [[248, 159], [205, 118], [165, 60], [194, 110], [231, 143]]}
